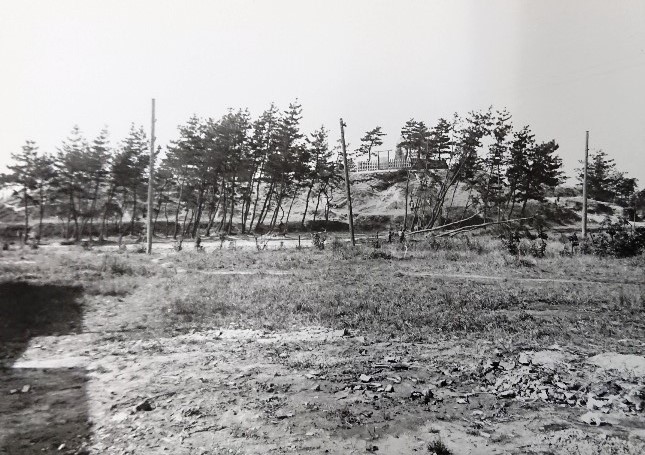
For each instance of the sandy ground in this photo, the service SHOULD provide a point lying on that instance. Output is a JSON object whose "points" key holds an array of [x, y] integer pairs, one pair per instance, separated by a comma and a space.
{"points": [[310, 391]]}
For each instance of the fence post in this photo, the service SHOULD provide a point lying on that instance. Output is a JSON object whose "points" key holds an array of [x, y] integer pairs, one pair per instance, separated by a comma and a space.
{"points": [[378, 161], [298, 240]]}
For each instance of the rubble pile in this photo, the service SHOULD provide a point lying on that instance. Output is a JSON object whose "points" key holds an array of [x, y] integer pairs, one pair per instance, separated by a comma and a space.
{"points": [[524, 381]]}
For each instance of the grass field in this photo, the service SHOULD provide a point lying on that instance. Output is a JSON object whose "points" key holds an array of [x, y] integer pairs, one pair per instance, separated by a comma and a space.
{"points": [[427, 298]]}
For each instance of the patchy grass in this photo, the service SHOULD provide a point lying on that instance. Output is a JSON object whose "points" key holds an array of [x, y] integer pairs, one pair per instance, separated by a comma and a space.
{"points": [[435, 288]]}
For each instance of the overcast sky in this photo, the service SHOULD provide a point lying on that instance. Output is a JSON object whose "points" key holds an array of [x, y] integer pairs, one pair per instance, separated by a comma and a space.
{"points": [[560, 66]]}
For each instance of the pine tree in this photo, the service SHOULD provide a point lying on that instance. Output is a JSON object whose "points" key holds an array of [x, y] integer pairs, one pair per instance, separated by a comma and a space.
{"points": [[23, 175], [372, 139]]}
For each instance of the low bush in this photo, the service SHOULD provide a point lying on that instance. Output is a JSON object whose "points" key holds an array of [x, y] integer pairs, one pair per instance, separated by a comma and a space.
{"points": [[617, 239]]}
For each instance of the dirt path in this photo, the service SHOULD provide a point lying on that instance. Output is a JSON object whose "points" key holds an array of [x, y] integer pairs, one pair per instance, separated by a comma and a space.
{"points": [[310, 391], [461, 276]]}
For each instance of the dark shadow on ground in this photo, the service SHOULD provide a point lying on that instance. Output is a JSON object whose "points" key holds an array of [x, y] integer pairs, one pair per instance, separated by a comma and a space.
{"points": [[40, 408]]}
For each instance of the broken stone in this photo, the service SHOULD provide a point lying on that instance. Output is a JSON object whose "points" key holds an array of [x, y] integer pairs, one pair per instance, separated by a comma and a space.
{"points": [[507, 365], [365, 378], [389, 388], [25, 389], [507, 394], [593, 418], [145, 405], [561, 385], [593, 404], [316, 388], [462, 401], [12, 391], [61, 447], [524, 359]]}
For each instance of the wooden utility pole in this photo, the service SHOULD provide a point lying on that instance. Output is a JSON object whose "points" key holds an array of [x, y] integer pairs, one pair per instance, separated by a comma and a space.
{"points": [[349, 195], [584, 189], [151, 179]]}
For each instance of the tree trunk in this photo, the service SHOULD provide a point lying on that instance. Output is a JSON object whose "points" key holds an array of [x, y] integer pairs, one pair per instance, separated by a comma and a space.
{"points": [[230, 220], [107, 203], [407, 190], [134, 211], [211, 219], [265, 206], [183, 227], [526, 199], [74, 216], [304, 215], [181, 191], [24, 193], [327, 207], [320, 190], [274, 218], [257, 197], [198, 216], [92, 207], [286, 223], [165, 213], [41, 212]]}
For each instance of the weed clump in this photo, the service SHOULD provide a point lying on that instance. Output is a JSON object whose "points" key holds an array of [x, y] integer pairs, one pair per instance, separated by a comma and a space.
{"points": [[437, 447]]}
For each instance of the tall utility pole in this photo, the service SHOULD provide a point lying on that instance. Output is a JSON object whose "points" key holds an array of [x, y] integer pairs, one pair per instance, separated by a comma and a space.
{"points": [[151, 179], [349, 195], [584, 189]]}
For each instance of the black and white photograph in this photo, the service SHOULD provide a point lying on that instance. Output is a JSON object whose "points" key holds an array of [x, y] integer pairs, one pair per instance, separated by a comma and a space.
{"points": [[233, 227]]}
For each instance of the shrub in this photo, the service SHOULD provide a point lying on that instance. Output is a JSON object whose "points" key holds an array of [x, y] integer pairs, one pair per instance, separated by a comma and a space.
{"points": [[616, 239], [437, 447]]}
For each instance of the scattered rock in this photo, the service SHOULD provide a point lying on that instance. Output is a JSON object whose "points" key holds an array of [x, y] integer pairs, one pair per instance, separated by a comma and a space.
{"points": [[389, 388], [145, 405], [283, 415], [593, 418], [25, 389], [593, 404], [507, 394], [316, 388], [365, 378], [507, 365], [524, 359]]}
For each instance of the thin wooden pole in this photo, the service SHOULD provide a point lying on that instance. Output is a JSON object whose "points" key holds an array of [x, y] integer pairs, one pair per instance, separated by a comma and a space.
{"points": [[349, 194], [584, 189], [151, 179]]}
